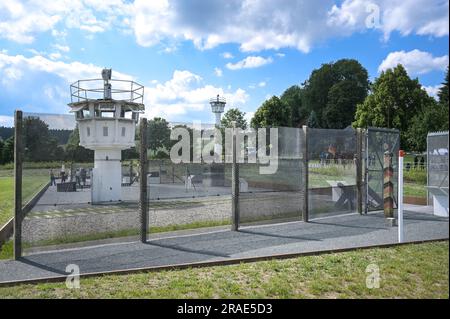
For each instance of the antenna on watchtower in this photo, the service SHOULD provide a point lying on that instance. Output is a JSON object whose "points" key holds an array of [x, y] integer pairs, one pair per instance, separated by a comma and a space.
{"points": [[217, 107], [106, 75]]}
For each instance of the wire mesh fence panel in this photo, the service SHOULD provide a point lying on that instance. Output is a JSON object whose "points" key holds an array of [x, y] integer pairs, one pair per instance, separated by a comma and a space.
{"points": [[270, 175], [82, 191], [190, 192], [332, 172], [437, 159], [379, 142]]}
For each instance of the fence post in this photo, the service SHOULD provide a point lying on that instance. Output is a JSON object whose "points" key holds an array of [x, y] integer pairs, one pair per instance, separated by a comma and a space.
{"points": [[359, 175], [305, 174], [401, 154], [234, 183], [18, 184], [143, 198], [388, 186]]}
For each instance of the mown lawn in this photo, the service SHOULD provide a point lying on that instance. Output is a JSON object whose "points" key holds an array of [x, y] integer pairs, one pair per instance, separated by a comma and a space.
{"points": [[411, 271], [30, 185]]}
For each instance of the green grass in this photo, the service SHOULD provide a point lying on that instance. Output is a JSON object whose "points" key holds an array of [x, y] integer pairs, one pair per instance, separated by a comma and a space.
{"points": [[413, 189], [31, 184], [410, 271]]}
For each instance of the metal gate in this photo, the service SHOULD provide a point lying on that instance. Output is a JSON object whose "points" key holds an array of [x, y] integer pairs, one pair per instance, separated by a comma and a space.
{"points": [[377, 142]]}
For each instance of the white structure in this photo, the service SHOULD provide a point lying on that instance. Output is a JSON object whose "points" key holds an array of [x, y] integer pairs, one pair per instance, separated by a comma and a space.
{"points": [[217, 107], [106, 119]]}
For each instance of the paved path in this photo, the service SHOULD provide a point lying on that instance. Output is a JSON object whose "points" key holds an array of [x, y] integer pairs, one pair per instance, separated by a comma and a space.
{"points": [[337, 232]]}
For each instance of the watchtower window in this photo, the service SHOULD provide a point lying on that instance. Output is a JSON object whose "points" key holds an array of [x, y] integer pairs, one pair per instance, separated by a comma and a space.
{"points": [[105, 131], [123, 131], [88, 129]]}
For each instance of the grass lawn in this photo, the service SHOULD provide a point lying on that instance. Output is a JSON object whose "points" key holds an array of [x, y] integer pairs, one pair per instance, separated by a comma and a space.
{"points": [[30, 185], [410, 271]]}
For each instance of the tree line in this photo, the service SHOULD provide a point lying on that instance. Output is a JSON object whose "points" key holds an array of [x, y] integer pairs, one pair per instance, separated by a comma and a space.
{"points": [[340, 94]]}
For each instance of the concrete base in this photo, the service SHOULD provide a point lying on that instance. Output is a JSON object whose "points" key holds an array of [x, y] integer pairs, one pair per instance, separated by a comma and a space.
{"points": [[440, 204], [390, 222]]}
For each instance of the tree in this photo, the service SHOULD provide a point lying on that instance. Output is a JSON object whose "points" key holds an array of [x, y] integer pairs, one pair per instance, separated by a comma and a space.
{"points": [[334, 90], [433, 118], [1, 150], [234, 115], [39, 144], [75, 152], [394, 101], [293, 98], [272, 113], [158, 134], [312, 120], [8, 150], [443, 91]]}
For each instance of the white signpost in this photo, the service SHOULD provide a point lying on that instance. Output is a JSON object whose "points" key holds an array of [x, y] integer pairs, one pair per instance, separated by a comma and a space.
{"points": [[401, 154]]}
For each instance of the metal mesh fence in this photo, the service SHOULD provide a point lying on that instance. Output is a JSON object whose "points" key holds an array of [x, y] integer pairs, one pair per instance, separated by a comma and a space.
{"points": [[78, 196], [332, 172], [191, 193], [271, 190], [379, 141], [437, 159]]}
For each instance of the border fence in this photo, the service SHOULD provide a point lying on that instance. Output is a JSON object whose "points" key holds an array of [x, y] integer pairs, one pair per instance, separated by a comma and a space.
{"points": [[242, 178]]}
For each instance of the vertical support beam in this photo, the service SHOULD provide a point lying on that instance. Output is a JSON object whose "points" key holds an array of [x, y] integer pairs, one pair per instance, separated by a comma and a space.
{"points": [[359, 175], [143, 198], [388, 185], [401, 154], [234, 183], [366, 170], [428, 172], [18, 159], [305, 171]]}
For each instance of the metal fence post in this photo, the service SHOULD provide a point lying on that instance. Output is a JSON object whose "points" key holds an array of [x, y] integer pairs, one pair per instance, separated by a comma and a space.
{"points": [[305, 174], [143, 199], [359, 175], [18, 184], [234, 183]]}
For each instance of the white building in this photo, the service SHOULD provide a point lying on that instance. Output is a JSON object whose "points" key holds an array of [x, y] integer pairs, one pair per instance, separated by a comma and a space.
{"points": [[107, 115]]}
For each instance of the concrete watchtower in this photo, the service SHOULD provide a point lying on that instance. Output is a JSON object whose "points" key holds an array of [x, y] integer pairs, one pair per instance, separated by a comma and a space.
{"points": [[106, 118], [217, 107]]}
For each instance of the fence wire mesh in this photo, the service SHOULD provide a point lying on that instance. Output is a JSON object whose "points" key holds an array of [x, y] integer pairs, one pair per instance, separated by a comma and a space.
{"points": [[332, 172], [271, 195], [78, 196], [437, 159]]}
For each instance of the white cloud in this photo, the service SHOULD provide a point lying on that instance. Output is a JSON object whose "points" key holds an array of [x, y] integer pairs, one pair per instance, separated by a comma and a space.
{"points": [[7, 121], [264, 24], [22, 20], [280, 55], [227, 55], [432, 90], [54, 55], [415, 61], [422, 17], [218, 72], [63, 48], [186, 93], [13, 67], [254, 25], [262, 84], [249, 62]]}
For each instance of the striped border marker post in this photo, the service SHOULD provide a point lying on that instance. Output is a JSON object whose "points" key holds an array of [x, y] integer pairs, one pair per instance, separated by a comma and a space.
{"points": [[388, 185]]}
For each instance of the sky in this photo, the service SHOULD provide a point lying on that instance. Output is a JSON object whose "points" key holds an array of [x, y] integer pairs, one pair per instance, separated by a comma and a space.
{"points": [[186, 52]]}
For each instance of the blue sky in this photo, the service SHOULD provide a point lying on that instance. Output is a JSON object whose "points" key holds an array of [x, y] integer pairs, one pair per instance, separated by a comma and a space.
{"points": [[185, 52]]}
